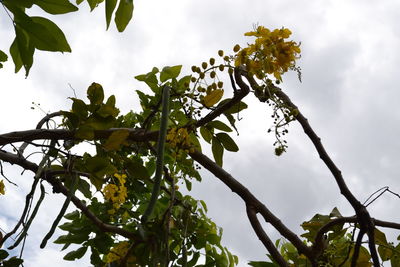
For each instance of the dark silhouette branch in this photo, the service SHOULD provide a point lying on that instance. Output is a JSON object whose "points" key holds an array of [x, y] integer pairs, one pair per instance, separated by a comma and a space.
{"points": [[357, 246], [135, 135], [263, 237], [251, 200], [237, 97]]}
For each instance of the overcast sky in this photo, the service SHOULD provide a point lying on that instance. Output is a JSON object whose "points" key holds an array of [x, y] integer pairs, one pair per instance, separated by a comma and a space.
{"points": [[350, 94]]}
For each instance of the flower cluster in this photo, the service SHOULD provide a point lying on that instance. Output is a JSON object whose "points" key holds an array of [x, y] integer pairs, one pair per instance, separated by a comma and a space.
{"points": [[2, 191], [180, 139], [269, 54], [117, 252], [116, 194]]}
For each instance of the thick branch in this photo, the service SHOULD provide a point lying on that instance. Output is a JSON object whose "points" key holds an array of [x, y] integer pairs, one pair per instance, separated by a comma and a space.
{"points": [[251, 213], [135, 135], [363, 216], [316, 140], [46, 175], [251, 200]]}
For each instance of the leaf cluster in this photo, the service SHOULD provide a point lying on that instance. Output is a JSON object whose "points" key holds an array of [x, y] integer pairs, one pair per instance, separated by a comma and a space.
{"points": [[36, 32]]}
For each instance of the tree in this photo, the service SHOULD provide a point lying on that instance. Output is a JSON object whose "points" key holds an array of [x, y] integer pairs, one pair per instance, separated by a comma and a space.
{"points": [[127, 217]]}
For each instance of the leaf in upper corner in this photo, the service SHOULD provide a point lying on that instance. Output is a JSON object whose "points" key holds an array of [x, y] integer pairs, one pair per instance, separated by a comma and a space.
{"points": [[56, 6], [213, 97], [22, 50], [116, 139], [110, 7], [123, 14], [45, 35]]}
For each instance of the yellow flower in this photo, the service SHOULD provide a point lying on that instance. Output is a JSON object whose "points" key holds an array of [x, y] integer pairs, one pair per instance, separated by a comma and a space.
{"points": [[178, 138], [121, 178], [2, 187], [117, 252], [270, 53], [116, 194]]}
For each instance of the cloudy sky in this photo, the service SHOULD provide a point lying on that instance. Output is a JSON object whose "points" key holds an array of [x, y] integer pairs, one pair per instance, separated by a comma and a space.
{"points": [[349, 94]]}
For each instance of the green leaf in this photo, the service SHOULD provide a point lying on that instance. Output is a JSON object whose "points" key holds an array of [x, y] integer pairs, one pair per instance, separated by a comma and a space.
{"points": [[335, 213], [84, 132], [137, 170], [217, 151], [3, 254], [183, 83], [98, 167], [43, 33], [170, 73], [395, 259], [195, 141], [206, 134], [385, 253], [110, 6], [56, 6], [150, 79], [95, 94], [74, 239], [20, 3], [213, 97], [380, 237], [123, 14], [213, 239], [72, 215], [227, 142], [107, 111], [94, 3], [116, 139], [22, 50], [75, 254], [236, 108], [79, 108], [219, 125], [188, 184], [13, 262], [3, 58], [84, 188], [262, 264]]}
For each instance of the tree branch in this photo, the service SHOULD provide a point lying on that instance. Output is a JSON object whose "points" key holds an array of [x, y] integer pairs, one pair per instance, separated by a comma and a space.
{"points": [[237, 97], [263, 237], [251, 200], [135, 135], [59, 187]]}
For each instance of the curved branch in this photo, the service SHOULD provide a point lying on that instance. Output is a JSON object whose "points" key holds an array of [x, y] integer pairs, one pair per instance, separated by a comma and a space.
{"points": [[39, 126], [237, 97], [364, 218], [252, 215], [251, 200], [56, 183]]}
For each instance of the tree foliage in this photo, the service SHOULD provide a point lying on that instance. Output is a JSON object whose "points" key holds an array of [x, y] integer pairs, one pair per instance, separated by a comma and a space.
{"points": [[123, 181], [35, 32]]}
